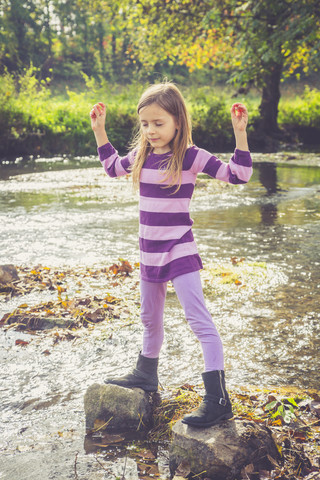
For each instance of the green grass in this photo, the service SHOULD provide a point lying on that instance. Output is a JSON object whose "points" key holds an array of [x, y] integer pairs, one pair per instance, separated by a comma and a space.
{"points": [[34, 121]]}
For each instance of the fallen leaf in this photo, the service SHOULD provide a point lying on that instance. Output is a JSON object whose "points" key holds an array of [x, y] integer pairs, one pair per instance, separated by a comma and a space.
{"points": [[22, 343], [272, 461], [183, 469], [109, 438], [146, 455]]}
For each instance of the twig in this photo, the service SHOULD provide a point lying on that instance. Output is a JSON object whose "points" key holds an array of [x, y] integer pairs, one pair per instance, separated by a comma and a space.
{"points": [[310, 424], [102, 426], [201, 473], [100, 464], [140, 422], [75, 466], [124, 468]]}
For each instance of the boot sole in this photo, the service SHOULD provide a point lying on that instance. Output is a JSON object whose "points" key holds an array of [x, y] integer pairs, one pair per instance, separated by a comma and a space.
{"points": [[221, 419]]}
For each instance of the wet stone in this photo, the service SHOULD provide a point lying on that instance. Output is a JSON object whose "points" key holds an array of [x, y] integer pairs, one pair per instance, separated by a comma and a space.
{"points": [[221, 451], [8, 274], [110, 407]]}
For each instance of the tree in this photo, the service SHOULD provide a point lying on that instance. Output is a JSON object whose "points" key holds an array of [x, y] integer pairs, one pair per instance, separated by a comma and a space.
{"points": [[68, 36], [258, 41]]}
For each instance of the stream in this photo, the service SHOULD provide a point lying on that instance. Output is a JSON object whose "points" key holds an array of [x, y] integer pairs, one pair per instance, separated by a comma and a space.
{"points": [[66, 213]]}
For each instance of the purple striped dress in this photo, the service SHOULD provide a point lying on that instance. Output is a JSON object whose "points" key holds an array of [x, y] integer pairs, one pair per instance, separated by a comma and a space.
{"points": [[167, 246]]}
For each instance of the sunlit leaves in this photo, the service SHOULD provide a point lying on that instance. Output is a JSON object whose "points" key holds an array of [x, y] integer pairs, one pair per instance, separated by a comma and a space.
{"points": [[250, 35], [67, 310]]}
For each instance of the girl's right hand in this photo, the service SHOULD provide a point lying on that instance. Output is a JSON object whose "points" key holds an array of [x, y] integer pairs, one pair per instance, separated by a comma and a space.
{"points": [[98, 116], [239, 117]]}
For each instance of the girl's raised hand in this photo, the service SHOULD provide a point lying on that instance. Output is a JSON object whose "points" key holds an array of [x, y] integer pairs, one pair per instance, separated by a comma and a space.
{"points": [[239, 117], [98, 116]]}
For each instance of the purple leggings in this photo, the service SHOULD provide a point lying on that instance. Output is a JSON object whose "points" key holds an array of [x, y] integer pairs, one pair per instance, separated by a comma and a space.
{"points": [[189, 291]]}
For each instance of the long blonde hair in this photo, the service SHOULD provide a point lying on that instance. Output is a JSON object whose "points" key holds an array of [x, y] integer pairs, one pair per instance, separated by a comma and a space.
{"points": [[168, 97]]}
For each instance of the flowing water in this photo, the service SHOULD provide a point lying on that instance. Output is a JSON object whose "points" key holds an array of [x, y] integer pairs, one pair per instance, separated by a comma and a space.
{"points": [[65, 213]]}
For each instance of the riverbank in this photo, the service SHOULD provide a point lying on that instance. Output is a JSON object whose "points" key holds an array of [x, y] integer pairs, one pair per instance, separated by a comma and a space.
{"points": [[34, 122]]}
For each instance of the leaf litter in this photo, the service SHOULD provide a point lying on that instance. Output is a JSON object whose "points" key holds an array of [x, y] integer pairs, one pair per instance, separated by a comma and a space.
{"points": [[297, 437], [71, 308]]}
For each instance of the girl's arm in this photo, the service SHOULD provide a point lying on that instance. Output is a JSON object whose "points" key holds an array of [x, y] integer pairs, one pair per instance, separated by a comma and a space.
{"points": [[239, 168], [113, 165]]}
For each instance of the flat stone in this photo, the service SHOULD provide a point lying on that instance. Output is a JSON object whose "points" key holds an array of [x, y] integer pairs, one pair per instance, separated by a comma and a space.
{"points": [[31, 322], [223, 450], [123, 409], [8, 274]]}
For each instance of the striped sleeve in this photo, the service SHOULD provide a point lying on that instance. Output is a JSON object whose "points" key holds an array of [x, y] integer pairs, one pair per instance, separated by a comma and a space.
{"points": [[113, 164], [238, 170]]}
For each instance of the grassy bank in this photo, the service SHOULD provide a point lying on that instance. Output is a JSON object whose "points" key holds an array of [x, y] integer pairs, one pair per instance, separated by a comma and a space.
{"points": [[34, 122]]}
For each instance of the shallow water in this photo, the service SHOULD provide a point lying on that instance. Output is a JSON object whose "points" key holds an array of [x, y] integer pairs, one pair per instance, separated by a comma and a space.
{"points": [[65, 212]]}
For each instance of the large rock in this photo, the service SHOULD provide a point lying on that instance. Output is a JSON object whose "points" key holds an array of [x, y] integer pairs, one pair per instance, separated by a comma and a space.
{"points": [[124, 409], [223, 450], [8, 274]]}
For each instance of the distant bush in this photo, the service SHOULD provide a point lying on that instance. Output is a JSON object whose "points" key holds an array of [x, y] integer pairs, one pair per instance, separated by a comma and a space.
{"points": [[211, 123], [302, 115], [32, 121], [303, 110]]}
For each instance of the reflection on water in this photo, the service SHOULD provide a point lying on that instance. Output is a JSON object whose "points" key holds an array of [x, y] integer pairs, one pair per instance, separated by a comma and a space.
{"points": [[55, 215]]}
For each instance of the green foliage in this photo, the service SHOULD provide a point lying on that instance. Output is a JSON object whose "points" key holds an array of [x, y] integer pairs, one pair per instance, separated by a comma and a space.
{"points": [[210, 120], [283, 409], [302, 116], [247, 42], [303, 110], [32, 121], [22, 97]]}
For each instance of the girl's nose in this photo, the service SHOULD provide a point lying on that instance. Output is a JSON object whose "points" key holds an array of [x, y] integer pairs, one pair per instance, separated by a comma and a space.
{"points": [[150, 129]]}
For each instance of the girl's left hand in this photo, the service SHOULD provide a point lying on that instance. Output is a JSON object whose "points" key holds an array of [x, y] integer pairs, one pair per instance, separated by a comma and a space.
{"points": [[98, 116], [239, 117]]}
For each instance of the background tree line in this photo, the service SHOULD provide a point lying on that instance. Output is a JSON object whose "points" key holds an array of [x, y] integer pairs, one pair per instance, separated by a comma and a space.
{"points": [[254, 44]]}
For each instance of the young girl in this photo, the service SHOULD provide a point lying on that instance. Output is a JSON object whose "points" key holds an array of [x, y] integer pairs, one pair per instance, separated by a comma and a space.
{"points": [[164, 164]]}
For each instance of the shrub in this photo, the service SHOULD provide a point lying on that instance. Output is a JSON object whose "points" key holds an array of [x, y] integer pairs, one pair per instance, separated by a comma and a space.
{"points": [[303, 111], [32, 121], [212, 128], [301, 116]]}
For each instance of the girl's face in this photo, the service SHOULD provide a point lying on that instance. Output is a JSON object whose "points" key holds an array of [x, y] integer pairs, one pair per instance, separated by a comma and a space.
{"points": [[158, 126]]}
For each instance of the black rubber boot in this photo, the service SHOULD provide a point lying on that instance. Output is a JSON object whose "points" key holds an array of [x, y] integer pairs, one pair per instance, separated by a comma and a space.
{"points": [[215, 406], [144, 376]]}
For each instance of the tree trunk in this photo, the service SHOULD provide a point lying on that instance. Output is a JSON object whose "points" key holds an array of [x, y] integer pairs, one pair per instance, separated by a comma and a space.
{"points": [[270, 100], [48, 28], [100, 31]]}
